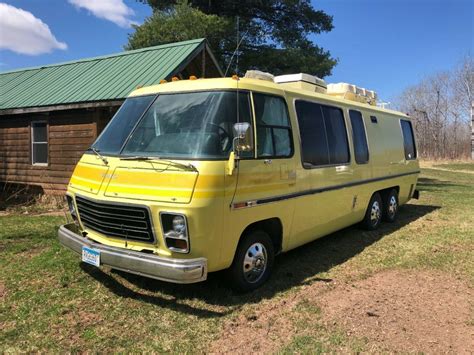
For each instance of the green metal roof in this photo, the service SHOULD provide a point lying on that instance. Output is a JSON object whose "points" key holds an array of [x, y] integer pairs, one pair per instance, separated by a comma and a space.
{"points": [[105, 78]]}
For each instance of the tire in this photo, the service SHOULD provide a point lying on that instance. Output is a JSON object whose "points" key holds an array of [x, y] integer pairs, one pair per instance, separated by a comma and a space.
{"points": [[390, 206], [373, 215], [247, 272]]}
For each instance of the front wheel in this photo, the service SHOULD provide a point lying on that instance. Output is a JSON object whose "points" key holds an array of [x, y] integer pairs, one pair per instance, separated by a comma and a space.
{"points": [[253, 262]]}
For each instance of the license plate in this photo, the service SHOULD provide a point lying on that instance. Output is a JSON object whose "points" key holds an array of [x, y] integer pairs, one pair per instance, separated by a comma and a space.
{"points": [[91, 256]]}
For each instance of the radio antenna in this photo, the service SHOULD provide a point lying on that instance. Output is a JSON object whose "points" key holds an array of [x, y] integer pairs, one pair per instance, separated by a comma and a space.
{"points": [[236, 51]]}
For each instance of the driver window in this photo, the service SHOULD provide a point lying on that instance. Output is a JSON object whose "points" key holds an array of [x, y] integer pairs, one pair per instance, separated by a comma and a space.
{"points": [[274, 139]]}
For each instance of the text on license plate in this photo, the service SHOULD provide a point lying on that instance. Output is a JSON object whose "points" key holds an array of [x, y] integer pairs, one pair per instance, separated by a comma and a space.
{"points": [[91, 256]]}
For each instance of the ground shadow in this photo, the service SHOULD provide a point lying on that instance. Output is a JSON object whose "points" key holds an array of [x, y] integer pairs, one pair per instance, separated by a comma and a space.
{"points": [[294, 268], [435, 184]]}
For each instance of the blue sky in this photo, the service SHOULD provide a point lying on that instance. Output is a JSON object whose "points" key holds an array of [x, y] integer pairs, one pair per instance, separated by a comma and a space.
{"points": [[384, 45]]}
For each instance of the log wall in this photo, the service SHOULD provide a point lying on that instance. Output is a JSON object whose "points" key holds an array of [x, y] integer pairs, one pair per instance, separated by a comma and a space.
{"points": [[70, 133]]}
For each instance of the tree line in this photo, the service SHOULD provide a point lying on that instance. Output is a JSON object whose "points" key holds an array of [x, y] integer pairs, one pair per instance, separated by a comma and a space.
{"points": [[440, 107]]}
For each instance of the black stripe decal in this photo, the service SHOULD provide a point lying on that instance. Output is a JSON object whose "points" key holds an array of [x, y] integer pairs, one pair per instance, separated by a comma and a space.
{"points": [[320, 190]]}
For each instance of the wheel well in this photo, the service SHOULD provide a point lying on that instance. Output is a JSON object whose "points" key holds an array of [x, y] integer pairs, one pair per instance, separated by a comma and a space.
{"points": [[272, 227], [386, 191]]}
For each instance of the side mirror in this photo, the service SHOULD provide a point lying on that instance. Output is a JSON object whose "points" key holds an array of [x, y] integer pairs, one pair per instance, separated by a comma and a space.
{"points": [[243, 141]]}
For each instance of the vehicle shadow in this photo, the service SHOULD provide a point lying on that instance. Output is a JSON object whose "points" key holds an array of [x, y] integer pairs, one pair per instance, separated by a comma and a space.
{"points": [[297, 267]]}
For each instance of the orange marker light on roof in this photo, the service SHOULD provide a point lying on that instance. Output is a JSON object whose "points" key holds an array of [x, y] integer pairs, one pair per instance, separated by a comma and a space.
{"points": [[235, 77], [175, 78], [163, 81], [139, 86], [193, 77]]}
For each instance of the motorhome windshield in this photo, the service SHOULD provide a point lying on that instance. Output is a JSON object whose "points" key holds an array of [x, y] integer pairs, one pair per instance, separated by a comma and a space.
{"points": [[195, 125]]}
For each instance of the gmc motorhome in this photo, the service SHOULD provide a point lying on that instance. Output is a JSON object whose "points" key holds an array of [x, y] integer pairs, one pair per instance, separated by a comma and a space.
{"points": [[196, 176]]}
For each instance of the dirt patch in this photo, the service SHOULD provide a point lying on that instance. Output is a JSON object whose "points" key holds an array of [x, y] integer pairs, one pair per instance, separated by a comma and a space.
{"points": [[405, 311], [267, 327], [401, 311]]}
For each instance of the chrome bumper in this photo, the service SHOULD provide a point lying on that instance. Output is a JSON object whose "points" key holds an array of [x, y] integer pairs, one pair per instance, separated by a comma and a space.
{"points": [[149, 265]]}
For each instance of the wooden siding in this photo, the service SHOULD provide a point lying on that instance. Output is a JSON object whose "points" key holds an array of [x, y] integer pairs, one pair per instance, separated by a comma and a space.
{"points": [[70, 133]]}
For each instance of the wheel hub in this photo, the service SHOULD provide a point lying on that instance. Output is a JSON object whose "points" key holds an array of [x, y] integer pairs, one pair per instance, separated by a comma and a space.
{"points": [[255, 262], [392, 206], [375, 213]]}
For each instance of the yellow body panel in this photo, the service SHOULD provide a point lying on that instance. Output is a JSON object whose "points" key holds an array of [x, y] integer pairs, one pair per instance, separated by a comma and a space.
{"points": [[321, 200]]}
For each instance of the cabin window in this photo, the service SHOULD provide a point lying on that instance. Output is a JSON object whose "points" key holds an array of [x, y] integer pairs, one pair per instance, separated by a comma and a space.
{"points": [[337, 135], [408, 140], [323, 134], [39, 143], [274, 139], [361, 149]]}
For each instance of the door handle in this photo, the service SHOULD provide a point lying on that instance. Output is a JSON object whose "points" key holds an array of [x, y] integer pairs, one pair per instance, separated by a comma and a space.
{"points": [[267, 161]]}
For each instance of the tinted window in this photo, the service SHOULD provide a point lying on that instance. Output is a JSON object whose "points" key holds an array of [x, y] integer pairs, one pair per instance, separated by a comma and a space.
{"points": [[273, 126], [336, 134], [39, 143], [359, 137], [408, 140], [314, 144]]}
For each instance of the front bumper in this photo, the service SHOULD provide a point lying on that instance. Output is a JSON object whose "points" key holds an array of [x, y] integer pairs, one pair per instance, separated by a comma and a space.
{"points": [[149, 265]]}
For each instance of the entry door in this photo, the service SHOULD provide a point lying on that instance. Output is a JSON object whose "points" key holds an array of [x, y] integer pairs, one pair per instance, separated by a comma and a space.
{"points": [[270, 175], [326, 171]]}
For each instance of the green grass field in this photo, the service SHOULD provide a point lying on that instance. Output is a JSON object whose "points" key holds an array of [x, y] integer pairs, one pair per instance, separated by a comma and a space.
{"points": [[456, 166], [49, 301]]}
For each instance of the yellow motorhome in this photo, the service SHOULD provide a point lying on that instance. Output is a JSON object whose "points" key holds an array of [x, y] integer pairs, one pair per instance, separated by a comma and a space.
{"points": [[196, 176]]}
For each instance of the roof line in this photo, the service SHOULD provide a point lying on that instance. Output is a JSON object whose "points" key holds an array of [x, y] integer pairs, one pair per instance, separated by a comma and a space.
{"points": [[146, 49]]}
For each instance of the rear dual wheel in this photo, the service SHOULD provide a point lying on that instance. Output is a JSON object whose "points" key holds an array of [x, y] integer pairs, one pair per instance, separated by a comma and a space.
{"points": [[390, 210], [373, 215], [381, 209]]}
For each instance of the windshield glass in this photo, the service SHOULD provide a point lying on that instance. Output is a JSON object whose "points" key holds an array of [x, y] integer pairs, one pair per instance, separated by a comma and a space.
{"points": [[114, 135], [194, 125]]}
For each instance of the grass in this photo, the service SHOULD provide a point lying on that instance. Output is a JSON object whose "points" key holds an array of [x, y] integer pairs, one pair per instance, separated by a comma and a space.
{"points": [[456, 166], [51, 302]]}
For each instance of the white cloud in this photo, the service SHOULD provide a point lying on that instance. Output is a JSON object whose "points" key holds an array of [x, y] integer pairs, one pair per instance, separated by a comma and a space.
{"points": [[112, 10], [22, 32]]}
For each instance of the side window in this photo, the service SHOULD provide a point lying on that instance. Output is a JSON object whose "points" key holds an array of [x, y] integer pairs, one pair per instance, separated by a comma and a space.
{"points": [[359, 137], [408, 140], [337, 135], [273, 126], [39, 143], [323, 134], [314, 146]]}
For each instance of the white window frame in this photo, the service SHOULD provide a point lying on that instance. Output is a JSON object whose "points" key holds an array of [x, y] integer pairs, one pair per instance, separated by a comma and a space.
{"points": [[32, 125]]}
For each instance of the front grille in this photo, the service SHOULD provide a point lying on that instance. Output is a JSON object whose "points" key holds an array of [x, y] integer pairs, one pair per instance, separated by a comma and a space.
{"points": [[116, 220]]}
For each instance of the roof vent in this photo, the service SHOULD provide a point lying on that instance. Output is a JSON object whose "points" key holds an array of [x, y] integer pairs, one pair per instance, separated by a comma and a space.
{"points": [[260, 75], [352, 92], [302, 81]]}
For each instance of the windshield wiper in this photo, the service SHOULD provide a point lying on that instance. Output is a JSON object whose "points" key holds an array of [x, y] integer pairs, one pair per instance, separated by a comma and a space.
{"points": [[161, 160], [96, 152], [138, 157]]}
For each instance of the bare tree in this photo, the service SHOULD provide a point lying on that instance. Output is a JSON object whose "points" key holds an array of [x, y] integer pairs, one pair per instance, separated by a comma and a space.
{"points": [[440, 107]]}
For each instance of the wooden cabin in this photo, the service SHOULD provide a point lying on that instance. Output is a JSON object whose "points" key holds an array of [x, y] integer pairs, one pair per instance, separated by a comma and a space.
{"points": [[50, 115]]}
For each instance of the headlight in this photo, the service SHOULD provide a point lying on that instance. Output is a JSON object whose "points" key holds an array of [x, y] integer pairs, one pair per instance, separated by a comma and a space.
{"points": [[179, 224], [175, 232]]}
